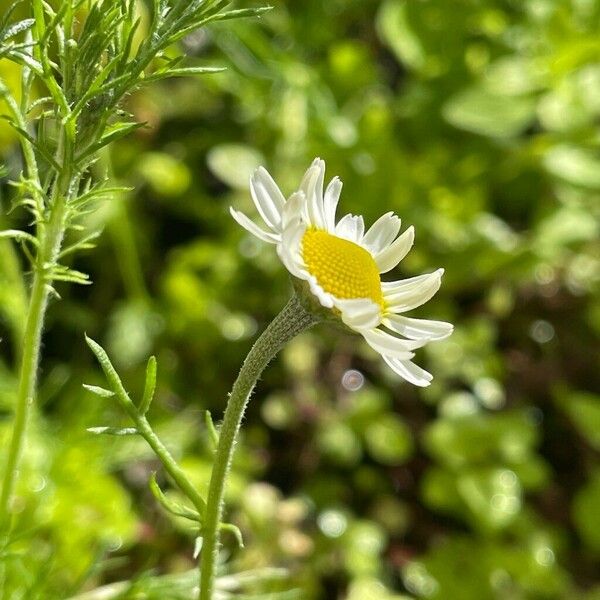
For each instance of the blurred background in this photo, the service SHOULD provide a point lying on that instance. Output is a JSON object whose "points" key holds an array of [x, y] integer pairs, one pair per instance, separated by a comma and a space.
{"points": [[477, 122]]}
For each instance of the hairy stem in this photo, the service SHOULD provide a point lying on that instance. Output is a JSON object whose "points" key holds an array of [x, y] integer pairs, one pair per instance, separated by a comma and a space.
{"points": [[51, 236], [290, 322]]}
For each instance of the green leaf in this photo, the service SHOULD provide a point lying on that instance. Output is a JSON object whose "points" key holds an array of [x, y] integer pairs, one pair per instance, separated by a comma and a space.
{"points": [[481, 111], [586, 515], [491, 495], [212, 430], [182, 72], [584, 410], [389, 440], [62, 273], [243, 13], [567, 225], [111, 374], [39, 102], [480, 438], [234, 163], [85, 243], [99, 391], [98, 193], [169, 505], [8, 12], [116, 132], [213, 18], [118, 431], [38, 147], [514, 76], [575, 165], [23, 58], [167, 175], [15, 29], [487, 497], [233, 529], [149, 386], [395, 30], [19, 235], [95, 87]]}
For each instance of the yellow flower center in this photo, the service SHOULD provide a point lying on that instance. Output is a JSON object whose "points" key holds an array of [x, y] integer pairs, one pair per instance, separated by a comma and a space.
{"points": [[341, 268]]}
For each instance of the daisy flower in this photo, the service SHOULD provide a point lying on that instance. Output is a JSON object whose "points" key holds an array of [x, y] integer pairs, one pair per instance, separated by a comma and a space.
{"points": [[342, 264]]}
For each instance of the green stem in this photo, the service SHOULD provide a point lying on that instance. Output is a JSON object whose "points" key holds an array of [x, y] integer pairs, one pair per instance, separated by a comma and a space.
{"points": [[144, 428], [169, 463], [51, 235], [290, 322]]}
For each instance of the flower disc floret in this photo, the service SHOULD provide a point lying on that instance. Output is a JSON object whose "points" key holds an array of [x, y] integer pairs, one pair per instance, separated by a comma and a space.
{"points": [[342, 268]]}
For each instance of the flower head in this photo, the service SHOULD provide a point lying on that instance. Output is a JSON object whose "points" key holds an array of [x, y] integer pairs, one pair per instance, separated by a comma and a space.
{"points": [[341, 265]]}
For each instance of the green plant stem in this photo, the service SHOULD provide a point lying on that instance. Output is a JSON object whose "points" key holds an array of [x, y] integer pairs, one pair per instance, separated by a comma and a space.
{"points": [[169, 463], [50, 234], [51, 239], [292, 320], [144, 429]]}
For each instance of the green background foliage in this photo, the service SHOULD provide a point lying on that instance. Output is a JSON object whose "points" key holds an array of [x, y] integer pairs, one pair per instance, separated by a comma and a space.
{"points": [[477, 122]]}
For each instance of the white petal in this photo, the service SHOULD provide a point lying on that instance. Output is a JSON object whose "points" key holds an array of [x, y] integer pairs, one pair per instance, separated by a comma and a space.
{"points": [[325, 298], [359, 313], [268, 205], [330, 202], [351, 228], [400, 285], [390, 345], [382, 233], [401, 296], [292, 209], [409, 371], [312, 186], [290, 249], [387, 259], [291, 264], [418, 329], [253, 228], [264, 177]]}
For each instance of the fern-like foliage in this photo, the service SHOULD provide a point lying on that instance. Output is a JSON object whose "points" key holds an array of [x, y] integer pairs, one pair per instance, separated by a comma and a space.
{"points": [[86, 56]]}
